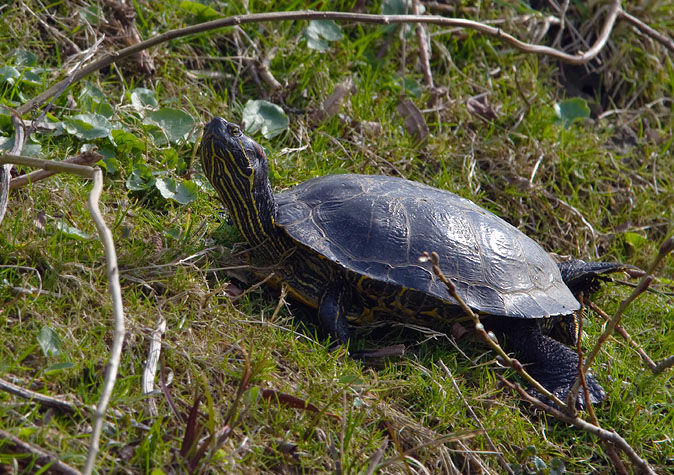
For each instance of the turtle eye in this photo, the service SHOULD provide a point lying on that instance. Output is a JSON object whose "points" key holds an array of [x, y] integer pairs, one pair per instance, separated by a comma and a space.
{"points": [[233, 130]]}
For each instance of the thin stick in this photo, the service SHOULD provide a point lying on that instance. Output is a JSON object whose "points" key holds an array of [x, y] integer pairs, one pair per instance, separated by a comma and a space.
{"points": [[647, 30], [376, 457], [609, 436], [19, 139], [623, 333], [422, 40], [479, 328], [663, 365], [85, 158], [114, 287], [150, 370], [665, 248], [109, 58], [43, 458], [42, 399], [118, 314]]}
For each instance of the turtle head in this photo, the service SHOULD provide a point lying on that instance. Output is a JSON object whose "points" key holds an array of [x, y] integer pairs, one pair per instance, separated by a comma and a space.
{"points": [[237, 168]]}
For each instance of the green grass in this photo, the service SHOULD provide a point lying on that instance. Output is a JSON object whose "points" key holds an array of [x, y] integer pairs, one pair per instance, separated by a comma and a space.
{"points": [[617, 173]]}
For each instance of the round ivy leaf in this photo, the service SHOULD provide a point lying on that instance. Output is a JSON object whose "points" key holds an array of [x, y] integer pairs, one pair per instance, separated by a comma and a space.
{"points": [[174, 124], [88, 126], [570, 110], [265, 117]]}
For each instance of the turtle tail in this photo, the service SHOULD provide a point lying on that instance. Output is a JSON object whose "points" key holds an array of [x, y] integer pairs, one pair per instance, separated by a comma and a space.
{"points": [[581, 276]]}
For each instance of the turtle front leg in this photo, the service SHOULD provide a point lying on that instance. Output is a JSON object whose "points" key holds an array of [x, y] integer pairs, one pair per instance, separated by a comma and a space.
{"points": [[332, 312], [550, 362]]}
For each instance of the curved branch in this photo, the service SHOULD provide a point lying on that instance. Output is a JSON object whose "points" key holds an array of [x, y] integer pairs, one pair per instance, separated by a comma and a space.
{"points": [[114, 287], [110, 58]]}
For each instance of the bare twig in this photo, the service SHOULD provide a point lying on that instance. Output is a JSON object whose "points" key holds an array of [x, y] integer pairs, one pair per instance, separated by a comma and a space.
{"points": [[43, 458], [609, 436], [665, 248], [663, 365], [454, 437], [623, 333], [150, 370], [5, 169], [263, 68], [114, 288], [84, 158], [479, 329], [422, 40], [109, 58], [376, 457], [581, 371], [647, 30], [42, 399]]}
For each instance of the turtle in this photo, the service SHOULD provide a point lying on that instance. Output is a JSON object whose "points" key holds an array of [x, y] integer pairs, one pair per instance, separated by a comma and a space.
{"points": [[349, 245]]}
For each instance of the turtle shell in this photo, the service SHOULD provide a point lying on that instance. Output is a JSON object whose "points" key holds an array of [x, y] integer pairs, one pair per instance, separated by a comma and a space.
{"points": [[378, 227]]}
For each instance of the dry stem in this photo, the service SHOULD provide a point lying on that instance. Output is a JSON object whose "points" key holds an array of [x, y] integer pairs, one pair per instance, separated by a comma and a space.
{"points": [[43, 457], [109, 58], [513, 363], [665, 248], [114, 288], [608, 436]]}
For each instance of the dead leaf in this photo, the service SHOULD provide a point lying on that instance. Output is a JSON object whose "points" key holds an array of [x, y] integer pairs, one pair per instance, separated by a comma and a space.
{"points": [[414, 121], [294, 402], [373, 129], [40, 220], [459, 331], [479, 105], [331, 104]]}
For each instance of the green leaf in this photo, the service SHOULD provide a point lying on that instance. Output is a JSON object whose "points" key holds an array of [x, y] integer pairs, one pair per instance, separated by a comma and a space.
{"points": [[89, 14], [350, 380], [9, 74], [320, 32], [184, 192], [411, 85], [251, 396], [29, 149], [88, 126], [24, 58], [187, 192], [539, 464], [557, 466], [71, 231], [570, 110], [142, 99], [49, 341], [174, 233], [127, 143], [94, 100], [202, 12], [635, 239], [32, 78], [140, 178], [175, 124], [166, 187], [264, 116], [59, 367], [528, 451], [399, 7]]}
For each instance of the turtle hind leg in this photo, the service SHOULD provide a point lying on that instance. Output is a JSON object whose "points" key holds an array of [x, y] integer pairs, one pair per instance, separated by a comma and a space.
{"points": [[550, 362]]}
